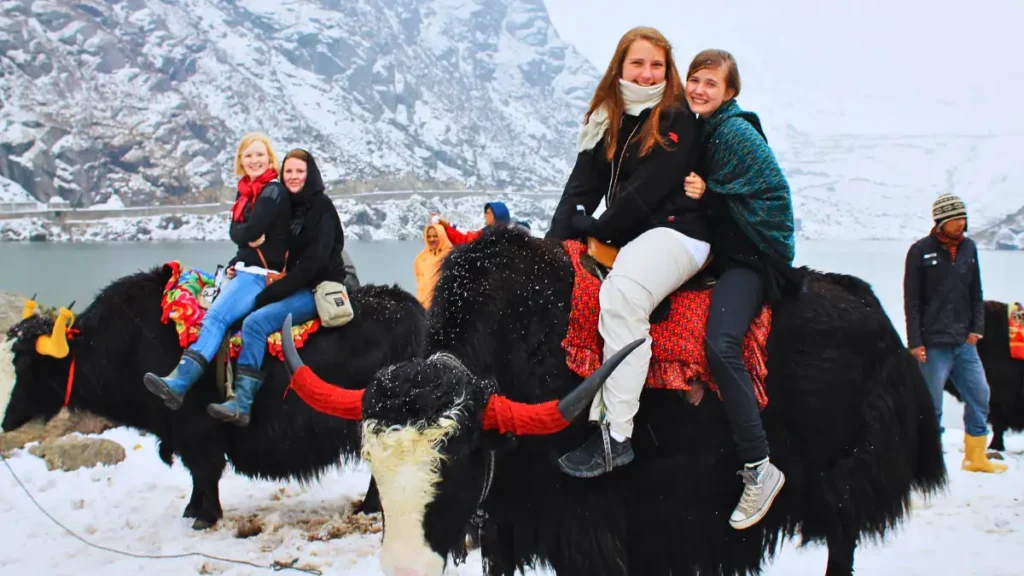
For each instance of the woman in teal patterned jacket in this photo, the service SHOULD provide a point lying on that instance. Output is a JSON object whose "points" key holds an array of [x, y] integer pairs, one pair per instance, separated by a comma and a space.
{"points": [[753, 248]]}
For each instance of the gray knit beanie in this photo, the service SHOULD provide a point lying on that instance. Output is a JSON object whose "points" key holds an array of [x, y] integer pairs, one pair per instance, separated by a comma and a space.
{"points": [[948, 207]]}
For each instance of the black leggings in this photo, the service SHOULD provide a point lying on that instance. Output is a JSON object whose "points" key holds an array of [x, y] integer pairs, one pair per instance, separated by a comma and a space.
{"points": [[735, 300]]}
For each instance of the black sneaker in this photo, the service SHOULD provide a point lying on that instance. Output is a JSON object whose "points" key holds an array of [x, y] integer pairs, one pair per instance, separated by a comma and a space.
{"points": [[599, 454]]}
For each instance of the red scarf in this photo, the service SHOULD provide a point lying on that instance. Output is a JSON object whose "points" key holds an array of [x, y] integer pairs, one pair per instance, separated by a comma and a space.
{"points": [[248, 190], [952, 243]]}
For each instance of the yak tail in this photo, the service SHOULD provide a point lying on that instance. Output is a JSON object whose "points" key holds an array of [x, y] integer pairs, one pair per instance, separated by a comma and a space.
{"points": [[929, 466], [896, 450], [166, 452]]}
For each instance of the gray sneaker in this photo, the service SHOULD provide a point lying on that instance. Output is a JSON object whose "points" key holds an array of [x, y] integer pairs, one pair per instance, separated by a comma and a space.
{"points": [[762, 482]]}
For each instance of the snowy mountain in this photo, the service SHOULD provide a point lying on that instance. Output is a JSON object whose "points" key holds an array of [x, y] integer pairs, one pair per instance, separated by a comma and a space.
{"points": [[148, 97], [851, 186], [12, 192], [143, 101], [1008, 234]]}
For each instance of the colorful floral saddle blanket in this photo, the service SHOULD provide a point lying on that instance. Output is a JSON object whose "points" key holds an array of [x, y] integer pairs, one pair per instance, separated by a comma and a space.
{"points": [[677, 347], [1016, 328], [181, 304]]}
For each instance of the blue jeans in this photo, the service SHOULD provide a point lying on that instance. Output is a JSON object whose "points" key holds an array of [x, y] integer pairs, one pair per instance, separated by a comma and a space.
{"points": [[267, 320], [963, 364], [236, 299]]}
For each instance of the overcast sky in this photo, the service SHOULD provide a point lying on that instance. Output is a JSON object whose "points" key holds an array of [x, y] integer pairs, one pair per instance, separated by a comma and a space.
{"points": [[875, 65]]}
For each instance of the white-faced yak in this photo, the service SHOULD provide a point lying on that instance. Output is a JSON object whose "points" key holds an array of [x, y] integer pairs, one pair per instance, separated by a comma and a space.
{"points": [[470, 436], [1004, 369], [120, 337]]}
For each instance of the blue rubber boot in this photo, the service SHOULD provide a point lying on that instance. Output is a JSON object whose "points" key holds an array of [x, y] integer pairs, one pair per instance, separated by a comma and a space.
{"points": [[173, 387], [236, 411]]}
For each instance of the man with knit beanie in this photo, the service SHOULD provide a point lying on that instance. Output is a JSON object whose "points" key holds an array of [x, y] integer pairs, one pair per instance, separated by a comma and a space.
{"points": [[945, 319]]}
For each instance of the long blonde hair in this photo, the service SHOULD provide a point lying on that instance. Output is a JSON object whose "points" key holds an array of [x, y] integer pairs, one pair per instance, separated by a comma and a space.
{"points": [[245, 142], [608, 95]]}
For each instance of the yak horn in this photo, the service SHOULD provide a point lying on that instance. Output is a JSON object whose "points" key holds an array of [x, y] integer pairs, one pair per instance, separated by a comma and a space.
{"points": [[321, 396], [579, 399], [56, 344], [519, 418], [30, 307], [72, 305], [292, 360]]}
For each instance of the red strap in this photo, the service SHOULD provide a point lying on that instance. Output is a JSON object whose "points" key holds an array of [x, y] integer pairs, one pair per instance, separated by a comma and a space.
{"points": [[71, 382], [70, 333]]}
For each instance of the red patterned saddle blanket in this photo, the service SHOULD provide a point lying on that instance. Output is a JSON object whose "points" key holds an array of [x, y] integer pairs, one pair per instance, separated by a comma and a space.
{"points": [[180, 304], [677, 347], [1016, 329]]}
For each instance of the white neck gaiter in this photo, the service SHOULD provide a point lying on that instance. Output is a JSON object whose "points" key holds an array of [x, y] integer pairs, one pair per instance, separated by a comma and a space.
{"points": [[636, 98]]}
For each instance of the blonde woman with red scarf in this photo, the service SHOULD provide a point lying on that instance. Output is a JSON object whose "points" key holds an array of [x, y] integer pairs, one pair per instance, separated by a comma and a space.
{"points": [[259, 226]]}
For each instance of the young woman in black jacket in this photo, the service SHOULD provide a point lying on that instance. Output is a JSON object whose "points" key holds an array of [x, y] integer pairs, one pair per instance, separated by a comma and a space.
{"points": [[637, 151], [259, 226], [314, 256]]}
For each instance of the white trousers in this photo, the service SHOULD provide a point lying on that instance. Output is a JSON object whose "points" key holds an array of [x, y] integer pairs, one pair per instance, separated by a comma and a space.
{"points": [[646, 270]]}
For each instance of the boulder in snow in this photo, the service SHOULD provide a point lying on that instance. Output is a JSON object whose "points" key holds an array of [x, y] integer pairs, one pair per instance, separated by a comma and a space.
{"points": [[74, 452]]}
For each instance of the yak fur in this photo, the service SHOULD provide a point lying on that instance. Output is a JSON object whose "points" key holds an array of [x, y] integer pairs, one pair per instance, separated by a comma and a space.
{"points": [[849, 421]]}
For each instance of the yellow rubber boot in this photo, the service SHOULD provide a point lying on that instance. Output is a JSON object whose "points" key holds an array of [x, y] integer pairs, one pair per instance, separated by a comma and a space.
{"points": [[975, 459]]}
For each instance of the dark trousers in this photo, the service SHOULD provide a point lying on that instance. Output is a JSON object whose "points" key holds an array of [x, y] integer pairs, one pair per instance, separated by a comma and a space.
{"points": [[735, 299]]}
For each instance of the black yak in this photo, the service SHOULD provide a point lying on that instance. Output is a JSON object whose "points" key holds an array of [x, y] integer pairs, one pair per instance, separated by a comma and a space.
{"points": [[121, 337], [469, 437], [1005, 375]]}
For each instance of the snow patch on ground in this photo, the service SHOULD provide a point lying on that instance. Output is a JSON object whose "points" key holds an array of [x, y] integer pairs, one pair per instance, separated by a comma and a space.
{"points": [[974, 527]]}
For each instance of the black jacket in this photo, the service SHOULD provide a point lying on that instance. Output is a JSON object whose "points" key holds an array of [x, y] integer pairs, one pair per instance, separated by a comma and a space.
{"points": [[267, 217], [648, 192], [315, 245], [942, 299]]}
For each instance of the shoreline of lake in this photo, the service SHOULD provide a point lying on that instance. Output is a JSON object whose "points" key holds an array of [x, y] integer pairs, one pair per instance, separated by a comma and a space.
{"points": [[60, 273]]}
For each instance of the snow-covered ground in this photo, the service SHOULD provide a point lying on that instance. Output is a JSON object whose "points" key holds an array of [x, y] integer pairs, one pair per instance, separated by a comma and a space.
{"points": [[976, 527]]}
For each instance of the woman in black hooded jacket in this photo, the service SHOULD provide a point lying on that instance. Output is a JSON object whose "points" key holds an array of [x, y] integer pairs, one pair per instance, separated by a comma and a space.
{"points": [[314, 256]]}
